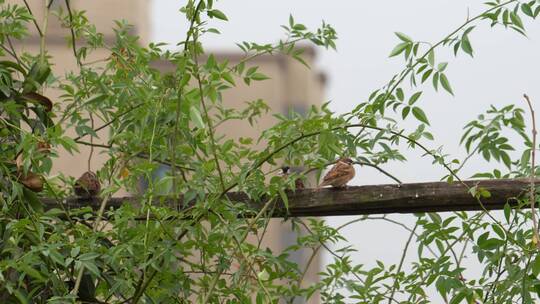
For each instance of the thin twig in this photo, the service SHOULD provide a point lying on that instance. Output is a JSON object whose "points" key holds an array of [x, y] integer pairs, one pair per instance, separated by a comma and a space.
{"points": [[33, 18], [177, 109], [316, 250], [115, 118], [97, 222], [384, 218], [72, 31], [13, 52], [139, 291], [500, 271], [380, 170], [215, 279], [532, 190], [91, 144], [340, 258], [410, 68], [208, 118], [476, 220], [398, 270], [82, 142]]}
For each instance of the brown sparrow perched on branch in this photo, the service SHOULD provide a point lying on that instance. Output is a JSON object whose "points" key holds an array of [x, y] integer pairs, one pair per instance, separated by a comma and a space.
{"points": [[87, 185], [340, 174], [32, 181], [298, 183]]}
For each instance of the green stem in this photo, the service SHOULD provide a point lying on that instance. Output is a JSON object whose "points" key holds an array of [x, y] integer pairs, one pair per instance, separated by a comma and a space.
{"points": [[398, 270]]}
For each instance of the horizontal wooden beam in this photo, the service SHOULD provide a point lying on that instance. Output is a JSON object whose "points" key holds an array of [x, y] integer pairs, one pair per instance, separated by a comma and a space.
{"points": [[372, 199]]}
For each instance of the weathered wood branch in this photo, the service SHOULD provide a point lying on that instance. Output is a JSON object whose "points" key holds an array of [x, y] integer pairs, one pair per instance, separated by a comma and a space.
{"points": [[373, 199]]}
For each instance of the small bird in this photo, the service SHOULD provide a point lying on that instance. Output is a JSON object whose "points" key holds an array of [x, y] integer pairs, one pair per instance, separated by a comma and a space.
{"points": [[87, 185], [43, 147], [32, 181], [298, 183], [340, 174]]}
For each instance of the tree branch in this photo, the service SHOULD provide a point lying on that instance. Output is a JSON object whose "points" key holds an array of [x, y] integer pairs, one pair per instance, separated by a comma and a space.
{"points": [[532, 189], [370, 199]]}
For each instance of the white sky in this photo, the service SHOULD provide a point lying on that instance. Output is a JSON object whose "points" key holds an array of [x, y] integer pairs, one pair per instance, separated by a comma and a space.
{"points": [[505, 66]]}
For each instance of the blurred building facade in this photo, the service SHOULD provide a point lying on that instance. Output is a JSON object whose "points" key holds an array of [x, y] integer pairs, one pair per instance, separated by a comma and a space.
{"points": [[291, 86]]}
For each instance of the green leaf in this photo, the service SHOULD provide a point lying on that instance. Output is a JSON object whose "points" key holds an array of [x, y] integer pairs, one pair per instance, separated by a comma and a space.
{"points": [[68, 143], [435, 81], [399, 94], [213, 30], [291, 20], [526, 9], [414, 97], [299, 27], [498, 230], [36, 76], [506, 159], [426, 75], [445, 84], [91, 267], [456, 47], [13, 65], [405, 112], [442, 66], [516, 20], [227, 76], [96, 99], [284, 198], [507, 212], [23, 299], [399, 49], [536, 266], [431, 58], [251, 70], [195, 117], [185, 79], [217, 14], [88, 256], [420, 115], [259, 76], [466, 46], [403, 37], [468, 30], [486, 243], [459, 297], [33, 200], [32, 272]]}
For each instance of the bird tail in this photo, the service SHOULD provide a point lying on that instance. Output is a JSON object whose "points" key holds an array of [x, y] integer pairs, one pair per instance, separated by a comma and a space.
{"points": [[319, 187]]}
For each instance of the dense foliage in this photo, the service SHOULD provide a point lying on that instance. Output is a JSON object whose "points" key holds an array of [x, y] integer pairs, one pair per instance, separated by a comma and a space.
{"points": [[154, 253]]}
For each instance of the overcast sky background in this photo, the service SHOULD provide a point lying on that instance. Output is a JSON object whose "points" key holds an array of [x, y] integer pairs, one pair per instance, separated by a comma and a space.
{"points": [[505, 66]]}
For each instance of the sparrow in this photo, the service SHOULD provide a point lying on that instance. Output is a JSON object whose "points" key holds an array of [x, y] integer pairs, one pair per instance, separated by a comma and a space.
{"points": [[43, 147], [298, 183], [32, 181], [87, 185], [340, 174]]}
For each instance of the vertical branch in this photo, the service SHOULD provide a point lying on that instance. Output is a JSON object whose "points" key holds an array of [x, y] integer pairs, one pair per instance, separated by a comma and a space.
{"points": [[91, 144], [12, 52], [208, 119], [177, 110], [99, 217], [220, 271], [398, 270], [532, 190], [72, 31], [33, 18], [43, 33]]}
